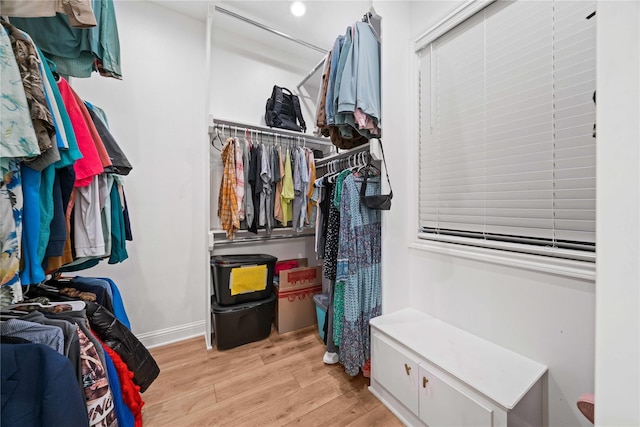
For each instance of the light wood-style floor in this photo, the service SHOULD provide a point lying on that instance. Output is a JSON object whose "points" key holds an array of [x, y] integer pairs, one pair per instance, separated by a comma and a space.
{"points": [[274, 382]]}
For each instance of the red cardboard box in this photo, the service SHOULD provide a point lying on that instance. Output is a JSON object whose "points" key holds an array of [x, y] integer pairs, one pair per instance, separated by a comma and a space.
{"points": [[296, 308]]}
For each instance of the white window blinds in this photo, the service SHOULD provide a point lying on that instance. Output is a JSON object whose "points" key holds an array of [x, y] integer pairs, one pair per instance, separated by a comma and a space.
{"points": [[507, 152]]}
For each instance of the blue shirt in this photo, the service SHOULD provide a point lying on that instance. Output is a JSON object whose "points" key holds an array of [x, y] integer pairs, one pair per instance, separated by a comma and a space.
{"points": [[51, 336], [335, 58], [360, 83]]}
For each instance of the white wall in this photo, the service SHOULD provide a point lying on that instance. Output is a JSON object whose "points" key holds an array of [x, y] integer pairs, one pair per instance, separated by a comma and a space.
{"points": [[157, 114], [543, 316], [242, 80], [617, 376], [396, 125]]}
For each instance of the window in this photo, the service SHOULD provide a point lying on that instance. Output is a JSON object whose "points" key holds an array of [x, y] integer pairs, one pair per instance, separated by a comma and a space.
{"points": [[507, 146]]}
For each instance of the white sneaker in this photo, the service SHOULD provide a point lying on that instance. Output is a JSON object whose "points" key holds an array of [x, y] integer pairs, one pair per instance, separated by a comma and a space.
{"points": [[330, 358]]}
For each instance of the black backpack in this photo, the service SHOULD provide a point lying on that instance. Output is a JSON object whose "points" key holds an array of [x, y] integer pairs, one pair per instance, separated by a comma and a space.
{"points": [[283, 110]]}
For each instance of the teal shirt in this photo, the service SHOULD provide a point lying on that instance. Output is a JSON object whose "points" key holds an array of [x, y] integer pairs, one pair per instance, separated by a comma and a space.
{"points": [[361, 75], [75, 49], [360, 81], [72, 153], [118, 243]]}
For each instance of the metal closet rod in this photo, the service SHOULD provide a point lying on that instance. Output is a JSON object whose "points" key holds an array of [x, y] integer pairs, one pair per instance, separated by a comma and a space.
{"points": [[271, 30], [261, 238], [312, 72], [241, 127], [342, 154]]}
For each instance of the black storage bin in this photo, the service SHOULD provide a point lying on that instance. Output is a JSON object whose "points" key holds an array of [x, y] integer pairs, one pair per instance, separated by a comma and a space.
{"points": [[221, 270], [242, 323]]}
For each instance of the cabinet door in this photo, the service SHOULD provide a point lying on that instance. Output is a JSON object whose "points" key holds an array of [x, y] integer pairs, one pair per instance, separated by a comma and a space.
{"points": [[443, 404], [396, 370]]}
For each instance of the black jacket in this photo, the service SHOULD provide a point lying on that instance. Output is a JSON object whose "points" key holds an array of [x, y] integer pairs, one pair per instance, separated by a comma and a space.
{"points": [[119, 338]]}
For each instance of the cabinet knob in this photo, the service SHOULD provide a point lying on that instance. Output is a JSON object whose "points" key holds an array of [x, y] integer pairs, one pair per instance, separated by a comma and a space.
{"points": [[424, 382], [407, 368]]}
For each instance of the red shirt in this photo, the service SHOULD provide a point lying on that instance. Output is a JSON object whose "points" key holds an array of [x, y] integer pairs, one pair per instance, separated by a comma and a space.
{"points": [[90, 164]]}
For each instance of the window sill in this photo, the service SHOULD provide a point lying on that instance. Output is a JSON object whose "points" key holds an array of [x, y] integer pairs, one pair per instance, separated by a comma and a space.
{"points": [[576, 269]]}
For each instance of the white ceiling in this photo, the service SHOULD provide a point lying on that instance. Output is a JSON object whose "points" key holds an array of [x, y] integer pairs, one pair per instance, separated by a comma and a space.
{"points": [[321, 24]]}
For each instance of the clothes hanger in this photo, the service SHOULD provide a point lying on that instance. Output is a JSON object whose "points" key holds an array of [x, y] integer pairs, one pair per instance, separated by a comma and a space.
{"points": [[335, 170], [247, 139], [356, 164], [213, 140], [374, 21], [362, 161]]}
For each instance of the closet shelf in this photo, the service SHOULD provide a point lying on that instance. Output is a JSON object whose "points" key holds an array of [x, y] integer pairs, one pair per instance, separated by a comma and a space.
{"points": [[241, 127], [277, 234]]}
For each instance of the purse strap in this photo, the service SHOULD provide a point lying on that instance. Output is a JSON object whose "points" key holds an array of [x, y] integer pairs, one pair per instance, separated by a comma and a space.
{"points": [[363, 189]]}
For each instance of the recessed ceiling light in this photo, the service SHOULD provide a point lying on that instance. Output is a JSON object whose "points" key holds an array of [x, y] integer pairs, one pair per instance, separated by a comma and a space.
{"points": [[298, 8]]}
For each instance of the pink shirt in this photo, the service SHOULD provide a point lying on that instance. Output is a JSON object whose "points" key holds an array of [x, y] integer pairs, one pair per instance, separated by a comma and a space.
{"points": [[90, 164]]}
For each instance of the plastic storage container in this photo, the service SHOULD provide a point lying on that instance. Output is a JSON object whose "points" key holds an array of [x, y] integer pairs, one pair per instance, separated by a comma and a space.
{"points": [[246, 271], [242, 323], [322, 302]]}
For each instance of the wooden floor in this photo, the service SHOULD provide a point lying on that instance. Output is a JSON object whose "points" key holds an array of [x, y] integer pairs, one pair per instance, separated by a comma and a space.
{"points": [[275, 382]]}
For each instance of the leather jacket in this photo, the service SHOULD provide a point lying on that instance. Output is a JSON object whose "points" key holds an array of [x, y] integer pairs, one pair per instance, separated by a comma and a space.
{"points": [[119, 338]]}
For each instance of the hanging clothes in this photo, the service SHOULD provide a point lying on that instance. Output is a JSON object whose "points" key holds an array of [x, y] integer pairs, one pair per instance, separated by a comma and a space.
{"points": [[27, 59], [333, 72], [18, 135], [266, 208], [90, 164], [11, 211], [227, 199], [119, 162], [79, 52], [321, 112], [32, 271], [79, 12], [358, 270], [277, 210], [360, 80], [287, 190], [276, 198], [256, 186], [311, 203], [24, 366], [333, 227], [96, 385], [237, 149], [300, 182], [248, 199]]}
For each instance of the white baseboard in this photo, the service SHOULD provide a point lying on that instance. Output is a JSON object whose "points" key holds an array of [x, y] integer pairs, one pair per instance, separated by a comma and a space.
{"points": [[171, 335]]}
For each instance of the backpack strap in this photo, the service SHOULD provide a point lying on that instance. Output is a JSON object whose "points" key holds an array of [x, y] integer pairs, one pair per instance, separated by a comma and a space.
{"points": [[278, 99], [298, 111]]}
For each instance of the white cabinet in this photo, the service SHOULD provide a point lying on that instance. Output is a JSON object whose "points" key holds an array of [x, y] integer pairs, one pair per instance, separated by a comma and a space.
{"points": [[443, 404], [431, 373], [398, 370]]}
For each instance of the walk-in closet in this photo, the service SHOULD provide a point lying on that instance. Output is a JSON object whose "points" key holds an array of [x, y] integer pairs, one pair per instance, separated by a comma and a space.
{"points": [[506, 269]]}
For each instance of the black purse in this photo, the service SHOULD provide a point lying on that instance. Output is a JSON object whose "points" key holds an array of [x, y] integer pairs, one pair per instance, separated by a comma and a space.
{"points": [[380, 202]]}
